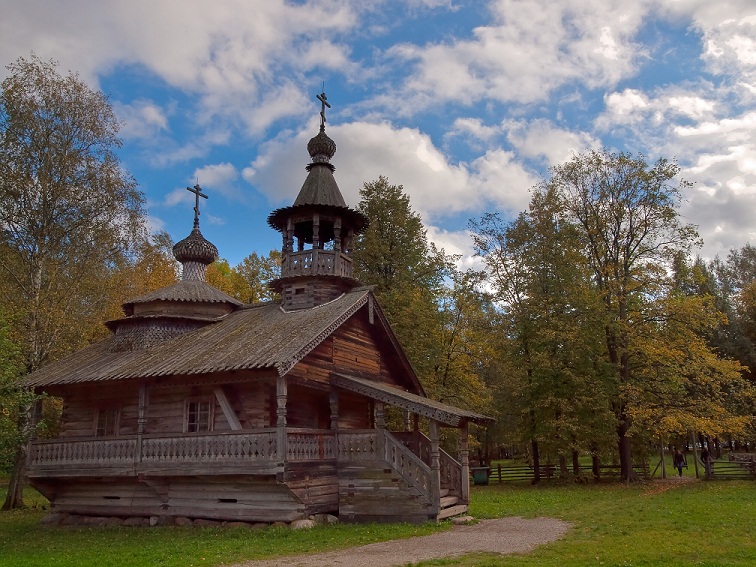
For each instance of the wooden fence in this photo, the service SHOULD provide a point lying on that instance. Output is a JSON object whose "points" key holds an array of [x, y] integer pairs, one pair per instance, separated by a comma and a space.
{"points": [[732, 470], [524, 473]]}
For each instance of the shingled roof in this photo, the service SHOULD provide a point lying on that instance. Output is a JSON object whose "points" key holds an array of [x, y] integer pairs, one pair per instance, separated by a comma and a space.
{"points": [[253, 337], [187, 290]]}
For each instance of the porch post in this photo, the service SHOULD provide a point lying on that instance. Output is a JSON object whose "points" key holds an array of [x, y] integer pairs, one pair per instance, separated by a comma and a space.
{"points": [[464, 457], [380, 425], [435, 458], [141, 420], [281, 393], [333, 401], [380, 415]]}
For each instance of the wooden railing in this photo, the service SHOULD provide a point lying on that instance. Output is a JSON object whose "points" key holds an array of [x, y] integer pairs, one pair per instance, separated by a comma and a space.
{"points": [[316, 263], [358, 445], [257, 446], [451, 474], [451, 469], [82, 452], [411, 468], [253, 447], [303, 445]]}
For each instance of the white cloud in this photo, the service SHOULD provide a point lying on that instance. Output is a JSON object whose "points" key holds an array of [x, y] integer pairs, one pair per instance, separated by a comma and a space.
{"points": [[457, 243], [141, 118], [530, 48], [178, 196], [541, 139], [221, 177], [227, 52]]}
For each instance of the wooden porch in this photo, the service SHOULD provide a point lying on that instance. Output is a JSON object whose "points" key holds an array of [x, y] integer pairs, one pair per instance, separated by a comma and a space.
{"points": [[367, 467]]}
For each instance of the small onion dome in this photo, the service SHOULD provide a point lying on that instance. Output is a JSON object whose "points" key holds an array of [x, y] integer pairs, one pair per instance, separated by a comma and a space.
{"points": [[195, 248], [321, 148]]}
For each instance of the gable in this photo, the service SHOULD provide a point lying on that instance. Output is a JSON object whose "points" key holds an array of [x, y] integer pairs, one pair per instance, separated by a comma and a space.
{"points": [[363, 347]]}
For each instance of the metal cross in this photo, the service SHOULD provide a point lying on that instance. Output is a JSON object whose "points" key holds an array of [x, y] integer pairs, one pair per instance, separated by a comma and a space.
{"points": [[197, 190], [323, 99]]}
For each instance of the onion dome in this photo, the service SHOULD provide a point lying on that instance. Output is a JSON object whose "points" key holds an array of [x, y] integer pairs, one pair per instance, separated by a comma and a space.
{"points": [[195, 248], [321, 149]]}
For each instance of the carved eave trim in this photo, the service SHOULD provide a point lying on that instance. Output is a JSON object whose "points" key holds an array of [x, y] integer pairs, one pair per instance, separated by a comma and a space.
{"points": [[443, 413], [285, 365]]}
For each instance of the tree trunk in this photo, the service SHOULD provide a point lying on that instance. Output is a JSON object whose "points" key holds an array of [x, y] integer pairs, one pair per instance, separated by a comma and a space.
{"points": [[536, 462], [596, 465], [625, 449], [575, 463], [563, 472], [15, 496]]}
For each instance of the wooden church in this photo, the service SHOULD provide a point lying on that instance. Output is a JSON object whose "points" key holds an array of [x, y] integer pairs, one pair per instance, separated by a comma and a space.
{"points": [[200, 406]]}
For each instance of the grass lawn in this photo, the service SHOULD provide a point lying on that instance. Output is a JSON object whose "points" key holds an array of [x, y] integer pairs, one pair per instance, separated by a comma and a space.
{"points": [[23, 542], [699, 523]]}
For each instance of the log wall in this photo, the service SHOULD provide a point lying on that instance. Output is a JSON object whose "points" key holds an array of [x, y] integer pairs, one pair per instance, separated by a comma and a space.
{"points": [[368, 492], [253, 402], [236, 498]]}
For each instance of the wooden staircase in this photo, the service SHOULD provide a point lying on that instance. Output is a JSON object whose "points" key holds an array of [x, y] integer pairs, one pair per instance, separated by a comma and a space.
{"points": [[450, 506]]}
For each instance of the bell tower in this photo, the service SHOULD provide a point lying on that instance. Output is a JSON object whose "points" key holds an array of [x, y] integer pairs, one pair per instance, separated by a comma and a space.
{"points": [[317, 230]]}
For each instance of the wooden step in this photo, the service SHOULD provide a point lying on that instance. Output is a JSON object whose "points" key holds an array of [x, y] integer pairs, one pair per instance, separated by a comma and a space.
{"points": [[444, 492], [457, 510], [447, 501]]}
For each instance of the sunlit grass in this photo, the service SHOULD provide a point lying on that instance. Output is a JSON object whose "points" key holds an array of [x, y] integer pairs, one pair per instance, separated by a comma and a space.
{"points": [[24, 542], [697, 523]]}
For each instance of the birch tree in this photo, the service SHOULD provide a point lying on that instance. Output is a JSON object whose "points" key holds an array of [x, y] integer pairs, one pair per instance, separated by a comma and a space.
{"points": [[68, 211]]}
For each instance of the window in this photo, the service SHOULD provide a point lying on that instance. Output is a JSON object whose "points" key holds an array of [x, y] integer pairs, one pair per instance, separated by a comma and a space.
{"points": [[106, 422], [199, 416]]}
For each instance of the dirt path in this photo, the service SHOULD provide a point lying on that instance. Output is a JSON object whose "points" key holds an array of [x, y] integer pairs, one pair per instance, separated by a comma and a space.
{"points": [[505, 535]]}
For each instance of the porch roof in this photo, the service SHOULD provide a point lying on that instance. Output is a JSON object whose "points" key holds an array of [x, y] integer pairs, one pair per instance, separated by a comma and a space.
{"points": [[444, 413]]}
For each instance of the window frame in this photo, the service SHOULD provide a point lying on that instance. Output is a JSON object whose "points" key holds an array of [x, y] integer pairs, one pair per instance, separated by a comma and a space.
{"points": [[112, 425], [197, 423]]}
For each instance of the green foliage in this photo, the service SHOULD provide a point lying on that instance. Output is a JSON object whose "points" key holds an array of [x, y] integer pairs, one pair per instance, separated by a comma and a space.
{"points": [[247, 281], [605, 323], [394, 255], [11, 364], [70, 217], [67, 208], [440, 316]]}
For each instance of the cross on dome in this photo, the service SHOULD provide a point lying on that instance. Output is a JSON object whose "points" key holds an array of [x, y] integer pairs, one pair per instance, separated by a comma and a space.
{"points": [[197, 190], [324, 102]]}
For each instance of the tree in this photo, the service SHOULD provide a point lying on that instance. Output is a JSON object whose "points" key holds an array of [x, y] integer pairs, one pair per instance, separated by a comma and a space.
{"points": [[247, 281], [408, 272], [69, 212], [630, 228], [10, 395], [553, 385]]}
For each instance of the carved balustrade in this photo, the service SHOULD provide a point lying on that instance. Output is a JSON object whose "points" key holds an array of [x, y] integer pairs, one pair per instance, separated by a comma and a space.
{"points": [[257, 447], [358, 445], [303, 445], [407, 464], [316, 263], [229, 447], [82, 452]]}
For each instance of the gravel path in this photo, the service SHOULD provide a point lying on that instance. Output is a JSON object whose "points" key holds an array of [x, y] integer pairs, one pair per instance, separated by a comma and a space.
{"points": [[505, 535]]}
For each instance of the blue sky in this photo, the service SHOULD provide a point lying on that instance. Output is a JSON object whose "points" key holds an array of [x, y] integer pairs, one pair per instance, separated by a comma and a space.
{"points": [[464, 103]]}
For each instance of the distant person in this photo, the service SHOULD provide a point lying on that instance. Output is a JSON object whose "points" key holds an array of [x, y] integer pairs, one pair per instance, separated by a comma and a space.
{"points": [[678, 461], [707, 461]]}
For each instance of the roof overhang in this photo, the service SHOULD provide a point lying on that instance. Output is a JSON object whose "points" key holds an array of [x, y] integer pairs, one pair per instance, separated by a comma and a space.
{"points": [[444, 413]]}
